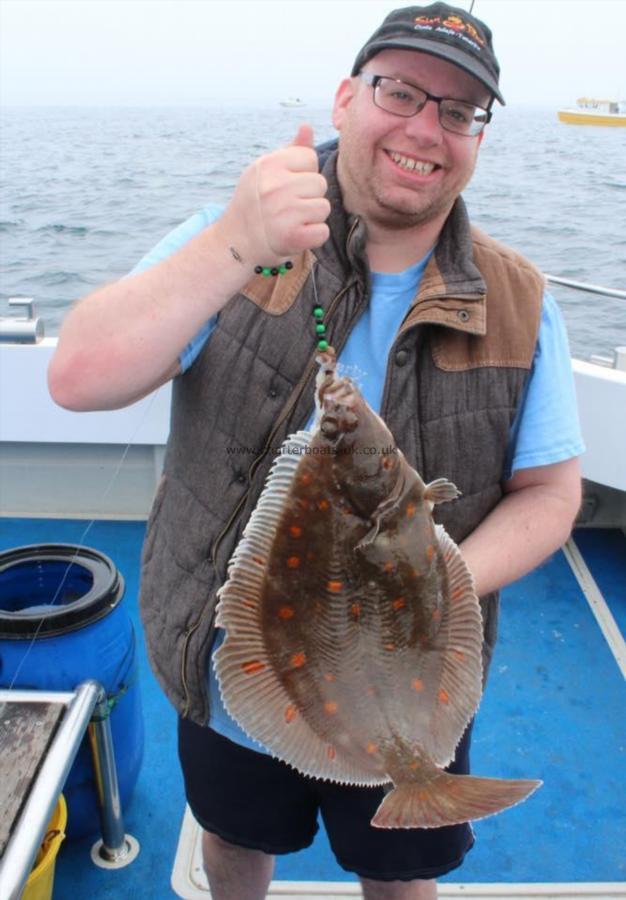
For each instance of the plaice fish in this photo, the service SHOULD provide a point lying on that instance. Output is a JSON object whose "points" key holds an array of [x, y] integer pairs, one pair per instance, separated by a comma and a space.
{"points": [[353, 633]]}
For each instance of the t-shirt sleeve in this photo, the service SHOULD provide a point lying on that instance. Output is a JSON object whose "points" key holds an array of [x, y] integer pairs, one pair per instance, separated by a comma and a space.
{"points": [[546, 429], [169, 245]]}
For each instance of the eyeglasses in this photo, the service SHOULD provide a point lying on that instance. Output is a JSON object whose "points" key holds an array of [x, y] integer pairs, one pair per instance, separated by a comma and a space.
{"points": [[402, 99]]}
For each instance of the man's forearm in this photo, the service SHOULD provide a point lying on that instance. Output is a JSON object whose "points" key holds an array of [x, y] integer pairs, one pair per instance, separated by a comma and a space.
{"points": [[529, 523], [125, 338]]}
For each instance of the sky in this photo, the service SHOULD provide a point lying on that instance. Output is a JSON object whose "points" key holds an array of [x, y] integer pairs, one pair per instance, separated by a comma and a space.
{"points": [[256, 52]]}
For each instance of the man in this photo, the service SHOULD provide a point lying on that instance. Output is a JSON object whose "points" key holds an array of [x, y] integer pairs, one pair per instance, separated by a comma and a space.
{"points": [[455, 344]]}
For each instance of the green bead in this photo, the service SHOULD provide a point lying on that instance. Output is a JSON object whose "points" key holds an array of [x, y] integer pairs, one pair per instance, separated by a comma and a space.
{"points": [[318, 312], [282, 269], [267, 271], [322, 345], [321, 329]]}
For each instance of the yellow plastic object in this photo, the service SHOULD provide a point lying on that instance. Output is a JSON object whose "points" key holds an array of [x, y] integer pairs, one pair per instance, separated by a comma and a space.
{"points": [[41, 879]]}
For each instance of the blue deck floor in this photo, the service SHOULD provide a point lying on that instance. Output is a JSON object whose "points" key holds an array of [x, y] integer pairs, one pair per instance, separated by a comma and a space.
{"points": [[553, 709]]}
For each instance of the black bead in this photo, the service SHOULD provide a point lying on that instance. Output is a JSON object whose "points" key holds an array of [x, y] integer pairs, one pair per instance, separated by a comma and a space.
{"points": [[258, 270], [274, 271], [289, 264]]}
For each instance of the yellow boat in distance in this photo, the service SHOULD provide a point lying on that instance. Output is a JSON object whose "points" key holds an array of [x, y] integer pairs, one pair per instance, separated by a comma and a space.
{"points": [[595, 112]]}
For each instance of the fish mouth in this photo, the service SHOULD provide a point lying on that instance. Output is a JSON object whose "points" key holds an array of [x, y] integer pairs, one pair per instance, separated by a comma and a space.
{"points": [[335, 398], [409, 163]]}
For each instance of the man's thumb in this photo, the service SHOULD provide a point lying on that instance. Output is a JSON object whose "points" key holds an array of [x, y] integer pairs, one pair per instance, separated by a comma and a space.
{"points": [[304, 136]]}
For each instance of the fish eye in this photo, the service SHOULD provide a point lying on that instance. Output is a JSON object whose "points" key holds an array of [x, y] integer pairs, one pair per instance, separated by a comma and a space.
{"points": [[329, 427]]}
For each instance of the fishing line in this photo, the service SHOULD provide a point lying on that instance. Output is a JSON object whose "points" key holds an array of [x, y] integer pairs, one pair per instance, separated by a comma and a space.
{"points": [[81, 545]]}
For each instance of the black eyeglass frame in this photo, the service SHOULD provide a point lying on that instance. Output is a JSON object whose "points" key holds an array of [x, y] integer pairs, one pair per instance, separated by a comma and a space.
{"points": [[374, 81]]}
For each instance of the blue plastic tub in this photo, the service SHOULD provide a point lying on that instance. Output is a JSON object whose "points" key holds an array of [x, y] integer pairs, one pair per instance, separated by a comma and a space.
{"points": [[61, 622]]}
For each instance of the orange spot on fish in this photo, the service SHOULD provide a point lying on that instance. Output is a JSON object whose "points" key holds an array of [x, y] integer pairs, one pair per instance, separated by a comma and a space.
{"points": [[456, 594], [430, 552], [355, 609], [386, 463], [436, 615], [389, 646], [250, 604], [328, 676], [253, 667], [334, 586], [295, 531], [371, 747], [293, 562], [413, 765], [459, 655], [331, 753], [331, 707], [443, 696], [286, 612], [306, 479], [410, 510], [323, 504], [388, 567], [298, 660], [399, 603], [291, 713], [258, 560], [417, 684]]}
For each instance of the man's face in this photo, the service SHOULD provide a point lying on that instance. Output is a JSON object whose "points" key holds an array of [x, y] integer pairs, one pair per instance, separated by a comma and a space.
{"points": [[374, 143]]}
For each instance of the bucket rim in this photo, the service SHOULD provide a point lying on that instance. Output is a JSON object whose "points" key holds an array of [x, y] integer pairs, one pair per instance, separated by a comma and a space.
{"points": [[103, 596]]}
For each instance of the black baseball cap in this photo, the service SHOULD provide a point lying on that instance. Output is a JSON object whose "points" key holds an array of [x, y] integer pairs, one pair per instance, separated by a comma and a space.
{"points": [[440, 30]]}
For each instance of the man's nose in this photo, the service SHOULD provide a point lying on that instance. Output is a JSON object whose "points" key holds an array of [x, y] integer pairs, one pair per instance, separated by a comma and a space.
{"points": [[425, 125]]}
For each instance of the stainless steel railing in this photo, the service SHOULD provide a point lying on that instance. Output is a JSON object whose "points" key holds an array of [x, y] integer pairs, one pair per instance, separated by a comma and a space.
{"points": [[589, 288], [86, 710]]}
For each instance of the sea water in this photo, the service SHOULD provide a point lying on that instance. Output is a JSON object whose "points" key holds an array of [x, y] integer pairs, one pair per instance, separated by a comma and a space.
{"points": [[86, 192]]}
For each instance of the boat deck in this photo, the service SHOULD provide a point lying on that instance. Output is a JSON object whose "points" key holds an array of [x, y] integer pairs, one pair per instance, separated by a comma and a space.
{"points": [[553, 709]]}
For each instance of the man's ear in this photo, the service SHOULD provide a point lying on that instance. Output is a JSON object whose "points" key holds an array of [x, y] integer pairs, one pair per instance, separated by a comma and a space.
{"points": [[343, 97]]}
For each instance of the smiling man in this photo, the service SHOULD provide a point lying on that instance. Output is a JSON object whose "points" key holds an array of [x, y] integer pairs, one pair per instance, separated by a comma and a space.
{"points": [[457, 345]]}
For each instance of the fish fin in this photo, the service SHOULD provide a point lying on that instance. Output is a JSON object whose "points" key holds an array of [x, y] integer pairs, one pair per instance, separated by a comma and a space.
{"points": [[245, 575], [387, 509], [460, 685], [449, 800], [441, 490], [256, 699], [251, 690]]}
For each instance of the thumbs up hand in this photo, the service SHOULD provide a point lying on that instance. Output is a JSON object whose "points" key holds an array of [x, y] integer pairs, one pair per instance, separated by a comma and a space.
{"points": [[279, 208]]}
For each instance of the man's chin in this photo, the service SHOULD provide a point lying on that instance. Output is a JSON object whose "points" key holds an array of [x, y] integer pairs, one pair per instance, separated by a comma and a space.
{"points": [[396, 214]]}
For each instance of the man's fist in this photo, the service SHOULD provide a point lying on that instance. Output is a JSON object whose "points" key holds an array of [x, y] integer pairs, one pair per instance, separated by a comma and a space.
{"points": [[279, 208]]}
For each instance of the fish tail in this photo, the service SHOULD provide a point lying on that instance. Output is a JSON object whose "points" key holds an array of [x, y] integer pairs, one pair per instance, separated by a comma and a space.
{"points": [[449, 800]]}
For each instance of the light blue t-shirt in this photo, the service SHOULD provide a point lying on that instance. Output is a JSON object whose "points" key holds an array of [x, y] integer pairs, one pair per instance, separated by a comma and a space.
{"points": [[546, 429]]}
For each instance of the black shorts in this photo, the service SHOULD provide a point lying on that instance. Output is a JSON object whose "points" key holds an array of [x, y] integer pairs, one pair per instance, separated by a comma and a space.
{"points": [[253, 800]]}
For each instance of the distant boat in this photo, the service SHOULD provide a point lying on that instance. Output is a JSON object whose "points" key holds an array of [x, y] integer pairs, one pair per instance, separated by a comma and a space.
{"points": [[292, 101], [594, 112]]}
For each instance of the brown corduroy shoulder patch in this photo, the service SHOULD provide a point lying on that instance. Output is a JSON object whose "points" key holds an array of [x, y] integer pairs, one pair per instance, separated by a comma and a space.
{"points": [[513, 310], [275, 295]]}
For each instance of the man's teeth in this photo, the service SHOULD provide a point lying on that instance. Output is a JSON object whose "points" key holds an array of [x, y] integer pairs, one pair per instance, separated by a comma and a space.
{"points": [[414, 165]]}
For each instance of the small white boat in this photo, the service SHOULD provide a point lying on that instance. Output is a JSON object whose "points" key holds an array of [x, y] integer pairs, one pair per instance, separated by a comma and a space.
{"points": [[594, 112], [292, 101]]}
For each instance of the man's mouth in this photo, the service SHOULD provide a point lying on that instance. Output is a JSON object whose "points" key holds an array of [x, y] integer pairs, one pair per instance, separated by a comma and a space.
{"points": [[410, 164]]}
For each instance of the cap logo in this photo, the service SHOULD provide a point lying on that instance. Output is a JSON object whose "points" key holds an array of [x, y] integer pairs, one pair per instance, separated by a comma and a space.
{"points": [[454, 26]]}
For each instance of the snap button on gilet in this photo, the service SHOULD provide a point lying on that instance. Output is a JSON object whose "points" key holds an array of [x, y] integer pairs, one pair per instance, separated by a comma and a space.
{"points": [[402, 357]]}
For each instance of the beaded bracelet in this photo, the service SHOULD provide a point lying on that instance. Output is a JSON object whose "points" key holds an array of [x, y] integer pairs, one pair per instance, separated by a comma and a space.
{"points": [[263, 270], [273, 270]]}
